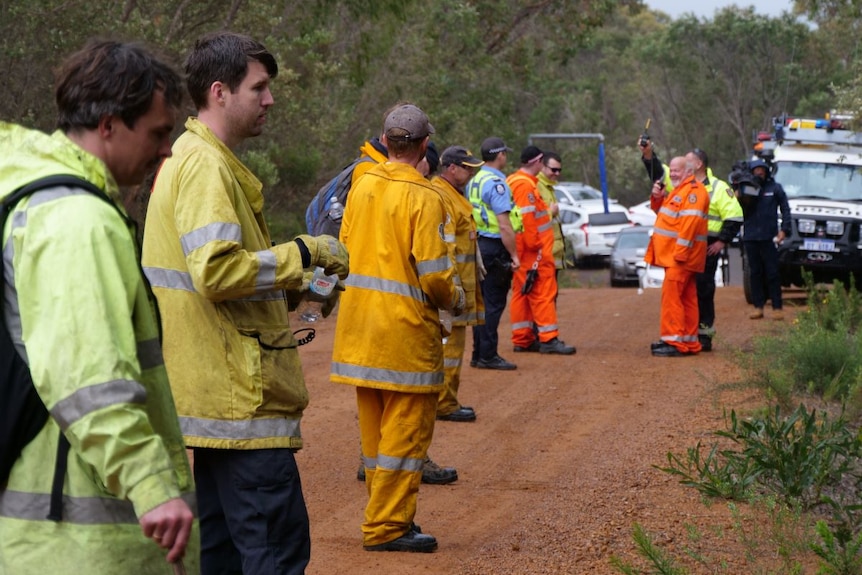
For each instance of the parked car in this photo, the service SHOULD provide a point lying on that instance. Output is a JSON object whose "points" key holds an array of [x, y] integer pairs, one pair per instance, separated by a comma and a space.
{"points": [[642, 214], [589, 231], [574, 192], [628, 249]]}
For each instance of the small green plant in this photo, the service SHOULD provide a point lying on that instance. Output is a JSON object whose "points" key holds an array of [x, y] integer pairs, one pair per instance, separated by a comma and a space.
{"points": [[840, 550], [660, 562], [795, 457], [714, 474]]}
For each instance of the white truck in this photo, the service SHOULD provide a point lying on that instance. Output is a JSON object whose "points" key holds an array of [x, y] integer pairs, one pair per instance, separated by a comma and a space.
{"points": [[819, 165]]}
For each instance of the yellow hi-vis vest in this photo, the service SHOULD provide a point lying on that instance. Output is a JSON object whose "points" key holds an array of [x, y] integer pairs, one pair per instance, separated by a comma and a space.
{"points": [[486, 219]]}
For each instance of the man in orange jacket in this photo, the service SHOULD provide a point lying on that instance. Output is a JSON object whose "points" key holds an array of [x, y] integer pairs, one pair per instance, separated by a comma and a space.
{"points": [[678, 244], [534, 288]]}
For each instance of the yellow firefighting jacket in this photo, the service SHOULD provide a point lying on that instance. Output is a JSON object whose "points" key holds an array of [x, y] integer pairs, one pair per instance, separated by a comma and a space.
{"points": [[367, 150], [388, 332], [460, 211], [231, 356], [546, 190], [81, 308]]}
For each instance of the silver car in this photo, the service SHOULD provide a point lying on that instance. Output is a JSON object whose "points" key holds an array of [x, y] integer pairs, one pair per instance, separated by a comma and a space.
{"points": [[628, 250]]}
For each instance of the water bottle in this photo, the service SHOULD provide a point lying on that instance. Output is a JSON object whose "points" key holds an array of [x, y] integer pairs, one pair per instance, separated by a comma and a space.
{"points": [[336, 210], [321, 284], [319, 291]]}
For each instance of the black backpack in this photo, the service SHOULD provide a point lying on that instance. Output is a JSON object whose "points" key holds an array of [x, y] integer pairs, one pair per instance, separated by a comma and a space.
{"points": [[22, 413], [317, 216]]}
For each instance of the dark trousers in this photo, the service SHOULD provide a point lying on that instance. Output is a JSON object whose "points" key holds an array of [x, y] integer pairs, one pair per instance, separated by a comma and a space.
{"points": [[763, 265], [705, 282], [252, 514], [495, 291]]}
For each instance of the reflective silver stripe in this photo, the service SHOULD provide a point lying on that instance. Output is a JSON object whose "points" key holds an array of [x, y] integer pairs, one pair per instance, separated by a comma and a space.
{"points": [[169, 279], [528, 209], [78, 510], [150, 354], [216, 231], [699, 238], [684, 242], [689, 338], [456, 279], [451, 362], [416, 378], [545, 227], [713, 218], [411, 464], [541, 213], [51, 194], [558, 262], [94, 397], [433, 266], [470, 316], [385, 286], [465, 258], [245, 429], [449, 238], [10, 295], [664, 232], [522, 325], [369, 462], [668, 212], [174, 279], [266, 272], [547, 328], [692, 213], [676, 338]]}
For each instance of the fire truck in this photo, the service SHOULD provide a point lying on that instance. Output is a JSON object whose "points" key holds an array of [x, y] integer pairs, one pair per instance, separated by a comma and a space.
{"points": [[819, 165]]}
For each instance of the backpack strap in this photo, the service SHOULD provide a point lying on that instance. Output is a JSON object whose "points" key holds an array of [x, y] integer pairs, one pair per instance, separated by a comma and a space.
{"points": [[55, 512]]}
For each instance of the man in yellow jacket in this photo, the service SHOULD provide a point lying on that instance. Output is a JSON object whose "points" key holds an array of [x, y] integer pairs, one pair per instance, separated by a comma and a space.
{"points": [[458, 166], [228, 346], [77, 310], [388, 340], [552, 165]]}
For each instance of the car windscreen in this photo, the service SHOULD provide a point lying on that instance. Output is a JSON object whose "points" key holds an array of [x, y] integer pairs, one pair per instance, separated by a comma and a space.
{"points": [[608, 219], [812, 179], [633, 240]]}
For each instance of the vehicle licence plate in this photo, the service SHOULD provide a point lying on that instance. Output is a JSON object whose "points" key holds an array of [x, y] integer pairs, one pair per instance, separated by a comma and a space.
{"points": [[819, 245]]}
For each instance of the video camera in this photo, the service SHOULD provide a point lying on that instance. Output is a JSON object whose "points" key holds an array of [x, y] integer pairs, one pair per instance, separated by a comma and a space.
{"points": [[745, 184]]}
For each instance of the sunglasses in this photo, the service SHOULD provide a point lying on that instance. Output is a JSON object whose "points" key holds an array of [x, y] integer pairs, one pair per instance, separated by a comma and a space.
{"points": [[556, 170]]}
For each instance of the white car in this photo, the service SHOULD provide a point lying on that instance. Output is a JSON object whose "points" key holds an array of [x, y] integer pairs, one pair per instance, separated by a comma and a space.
{"points": [[591, 232], [642, 214]]}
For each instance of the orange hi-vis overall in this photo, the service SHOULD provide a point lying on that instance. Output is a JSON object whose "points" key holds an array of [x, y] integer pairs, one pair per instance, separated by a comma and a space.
{"points": [[535, 247], [678, 244]]}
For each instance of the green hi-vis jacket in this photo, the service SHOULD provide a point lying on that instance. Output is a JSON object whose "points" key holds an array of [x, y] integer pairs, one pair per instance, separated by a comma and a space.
{"points": [[229, 350], [81, 315]]}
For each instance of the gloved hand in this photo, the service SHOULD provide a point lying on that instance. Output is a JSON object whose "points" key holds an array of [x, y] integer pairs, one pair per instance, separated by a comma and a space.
{"points": [[481, 272], [459, 302], [330, 302], [295, 296], [328, 253]]}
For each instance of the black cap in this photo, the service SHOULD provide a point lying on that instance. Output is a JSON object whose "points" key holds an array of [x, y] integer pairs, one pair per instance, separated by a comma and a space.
{"points": [[531, 154], [460, 156], [493, 146]]}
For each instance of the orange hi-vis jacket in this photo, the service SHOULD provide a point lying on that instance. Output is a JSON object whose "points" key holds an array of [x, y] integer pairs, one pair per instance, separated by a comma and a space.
{"points": [[538, 234], [680, 230]]}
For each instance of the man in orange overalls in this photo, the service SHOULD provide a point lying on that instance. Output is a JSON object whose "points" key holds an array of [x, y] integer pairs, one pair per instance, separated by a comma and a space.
{"points": [[534, 287], [678, 244]]}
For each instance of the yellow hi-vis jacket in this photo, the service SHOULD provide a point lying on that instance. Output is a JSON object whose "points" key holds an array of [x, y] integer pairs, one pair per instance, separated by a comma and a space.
{"points": [[388, 331], [367, 150], [464, 247], [230, 354], [82, 317], [546, 190]]}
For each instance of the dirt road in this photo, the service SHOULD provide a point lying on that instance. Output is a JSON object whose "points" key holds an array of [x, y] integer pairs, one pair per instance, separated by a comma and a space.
{"points": [[558, 465]]}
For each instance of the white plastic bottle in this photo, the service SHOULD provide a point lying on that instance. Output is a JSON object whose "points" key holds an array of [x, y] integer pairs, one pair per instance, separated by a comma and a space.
{"points": [[336, 209], [318, 291]]}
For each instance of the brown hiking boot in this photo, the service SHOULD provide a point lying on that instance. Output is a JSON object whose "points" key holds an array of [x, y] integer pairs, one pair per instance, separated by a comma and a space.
{"points": [[756, 314], [433, 474], [777, 315]]}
